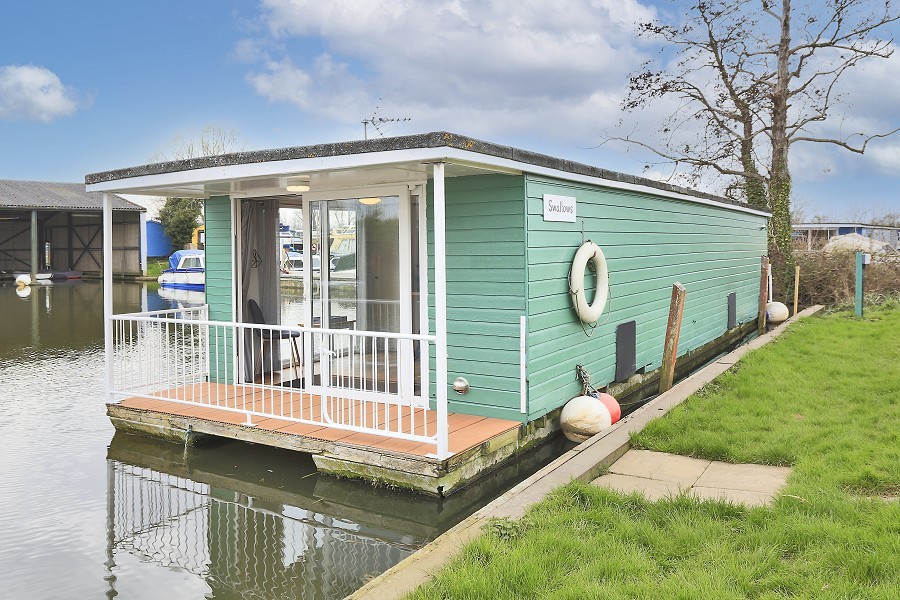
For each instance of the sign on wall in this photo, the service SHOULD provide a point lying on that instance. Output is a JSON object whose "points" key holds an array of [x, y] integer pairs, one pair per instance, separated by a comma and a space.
{"points": [[559, 208]]}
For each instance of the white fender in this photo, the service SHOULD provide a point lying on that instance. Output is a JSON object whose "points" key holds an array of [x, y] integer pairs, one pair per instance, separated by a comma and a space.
{"points": [[589, 312]]}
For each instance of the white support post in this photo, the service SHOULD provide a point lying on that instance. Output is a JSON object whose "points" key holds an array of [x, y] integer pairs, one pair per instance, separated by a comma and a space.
{"points": [[108, 294], [440, 309]]}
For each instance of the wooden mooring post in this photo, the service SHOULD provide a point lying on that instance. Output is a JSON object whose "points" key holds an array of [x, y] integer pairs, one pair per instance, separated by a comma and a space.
{"points": [[673, 330], [763, 295]]}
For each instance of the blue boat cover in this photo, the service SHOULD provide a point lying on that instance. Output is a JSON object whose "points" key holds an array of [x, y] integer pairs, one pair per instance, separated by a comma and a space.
{"points": [[176, 256]]}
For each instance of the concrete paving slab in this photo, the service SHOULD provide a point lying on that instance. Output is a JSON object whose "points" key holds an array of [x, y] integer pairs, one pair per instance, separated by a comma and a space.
{"points": [[662, 466], [658, 475], [653, 489], [737, 496], [751, 478]]}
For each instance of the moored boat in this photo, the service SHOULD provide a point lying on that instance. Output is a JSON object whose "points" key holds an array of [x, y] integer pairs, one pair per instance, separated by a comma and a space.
{"points": [[187, 271]]}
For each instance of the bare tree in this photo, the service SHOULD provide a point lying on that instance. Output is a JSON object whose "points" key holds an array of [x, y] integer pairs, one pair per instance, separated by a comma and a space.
{"points": [[871, 215], [211, 140], [180, 216], [756, 77]]}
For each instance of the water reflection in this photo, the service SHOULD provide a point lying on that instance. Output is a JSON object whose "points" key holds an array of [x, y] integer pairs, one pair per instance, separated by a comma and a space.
{"points": [[256, 522], [60, 316], [254, 525], [85, 513]]}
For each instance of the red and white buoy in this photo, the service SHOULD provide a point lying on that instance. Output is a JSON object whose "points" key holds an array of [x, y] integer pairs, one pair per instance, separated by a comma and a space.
{"points": [[585, 416]]}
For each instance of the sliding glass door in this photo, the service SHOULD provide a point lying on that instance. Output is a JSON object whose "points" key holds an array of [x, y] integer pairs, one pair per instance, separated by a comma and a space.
{"points": [[363, 265]]}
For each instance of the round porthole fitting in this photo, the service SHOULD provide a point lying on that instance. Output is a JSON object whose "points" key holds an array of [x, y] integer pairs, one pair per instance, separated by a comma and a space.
{"points": [[460, 385]]}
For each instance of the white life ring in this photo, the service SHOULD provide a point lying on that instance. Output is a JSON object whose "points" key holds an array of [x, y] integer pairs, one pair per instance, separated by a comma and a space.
{"points": [[589, 312]]}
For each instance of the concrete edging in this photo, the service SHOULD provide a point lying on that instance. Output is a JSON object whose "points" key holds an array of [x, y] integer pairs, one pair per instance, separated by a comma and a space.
{"points": [[584, 462]]}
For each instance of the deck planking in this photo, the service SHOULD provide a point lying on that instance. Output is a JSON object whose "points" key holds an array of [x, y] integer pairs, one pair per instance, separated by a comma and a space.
{"points": [[465, 431]]}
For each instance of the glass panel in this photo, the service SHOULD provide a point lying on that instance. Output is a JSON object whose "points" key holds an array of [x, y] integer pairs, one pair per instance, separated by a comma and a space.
{"points": [[290, 241], [358, 252], [365, 236]]}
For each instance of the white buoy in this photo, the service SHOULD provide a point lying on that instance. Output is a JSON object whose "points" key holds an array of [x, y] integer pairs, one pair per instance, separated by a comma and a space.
{"points": [[23, 291], [584, 416], [776, 312], [23, 280]]}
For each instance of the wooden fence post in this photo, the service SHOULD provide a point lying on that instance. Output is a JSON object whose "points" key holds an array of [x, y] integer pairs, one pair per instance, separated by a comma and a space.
{"points": [[763, 295], [796, 286], [673, 330]]}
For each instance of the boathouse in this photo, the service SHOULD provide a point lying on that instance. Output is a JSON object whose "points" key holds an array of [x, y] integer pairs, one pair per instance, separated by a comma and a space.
{"points": [[49, 227], [445, 337]]}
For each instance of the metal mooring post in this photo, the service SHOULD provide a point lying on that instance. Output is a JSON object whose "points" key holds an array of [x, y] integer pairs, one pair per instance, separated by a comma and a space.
{"points": [[862, 259]]}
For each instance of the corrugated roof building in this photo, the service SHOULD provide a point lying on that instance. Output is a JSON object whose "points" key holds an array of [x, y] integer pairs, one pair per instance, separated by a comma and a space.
{"points": [[44, 195], [54, 227]]}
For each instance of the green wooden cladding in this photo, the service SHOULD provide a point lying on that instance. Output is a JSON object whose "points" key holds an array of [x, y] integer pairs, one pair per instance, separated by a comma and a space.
{"points": [[220, 285], [505, 261], [486, 277], [650, 242]]}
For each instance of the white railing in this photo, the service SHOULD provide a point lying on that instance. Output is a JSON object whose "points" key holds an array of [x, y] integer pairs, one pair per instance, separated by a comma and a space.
{"points": [[359, 381]]}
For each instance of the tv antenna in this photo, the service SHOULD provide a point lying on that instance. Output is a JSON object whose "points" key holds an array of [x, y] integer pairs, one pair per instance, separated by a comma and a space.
{"points": [[377, 122]]}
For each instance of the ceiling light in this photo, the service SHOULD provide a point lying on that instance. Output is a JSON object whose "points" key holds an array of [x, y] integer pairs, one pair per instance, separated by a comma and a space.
{"points": [[371, 200], [298, 183]]}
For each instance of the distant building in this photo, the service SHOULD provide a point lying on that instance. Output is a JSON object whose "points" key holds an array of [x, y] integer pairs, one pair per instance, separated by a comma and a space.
{"points": [[47, 226], [817, 235]]}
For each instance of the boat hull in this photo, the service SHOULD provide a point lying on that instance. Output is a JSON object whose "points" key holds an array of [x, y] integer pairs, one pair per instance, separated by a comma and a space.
{"points": [[183, 280]]}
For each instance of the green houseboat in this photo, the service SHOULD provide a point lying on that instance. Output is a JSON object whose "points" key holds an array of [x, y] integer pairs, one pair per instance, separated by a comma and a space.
{"points": [[440, 333]]}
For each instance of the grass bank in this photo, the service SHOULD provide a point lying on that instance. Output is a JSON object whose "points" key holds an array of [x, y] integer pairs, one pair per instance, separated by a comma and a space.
{"points": [[823, 398], [156, 265]]}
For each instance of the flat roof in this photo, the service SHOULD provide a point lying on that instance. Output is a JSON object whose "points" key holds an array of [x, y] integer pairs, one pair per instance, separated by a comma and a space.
{"points": [[48, 195], [382, 160]]}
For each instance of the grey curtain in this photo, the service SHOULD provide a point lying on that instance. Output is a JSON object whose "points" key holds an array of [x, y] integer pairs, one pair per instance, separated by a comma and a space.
{"points": [[260, 275]]}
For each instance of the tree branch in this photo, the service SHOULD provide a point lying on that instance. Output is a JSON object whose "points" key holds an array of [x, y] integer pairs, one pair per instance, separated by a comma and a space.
{"points": [[845, 144]]}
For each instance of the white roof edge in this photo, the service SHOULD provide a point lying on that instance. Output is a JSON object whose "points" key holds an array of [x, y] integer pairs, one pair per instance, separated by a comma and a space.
{"points": [[140, 183], [621, 185]]}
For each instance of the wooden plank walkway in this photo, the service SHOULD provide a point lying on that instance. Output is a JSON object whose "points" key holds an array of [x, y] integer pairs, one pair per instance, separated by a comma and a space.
{"points": [[465, 431]]}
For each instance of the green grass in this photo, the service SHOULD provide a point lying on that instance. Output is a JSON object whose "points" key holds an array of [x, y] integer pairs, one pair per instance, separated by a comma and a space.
{"points": [[155, 266], [823, 398]]}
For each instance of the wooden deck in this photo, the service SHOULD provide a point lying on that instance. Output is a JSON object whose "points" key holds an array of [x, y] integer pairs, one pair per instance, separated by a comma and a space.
{"points": [[478, 444], [466, 431]]}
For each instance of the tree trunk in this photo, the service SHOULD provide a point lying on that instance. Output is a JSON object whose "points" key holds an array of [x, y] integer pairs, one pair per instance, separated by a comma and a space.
{"points": [[780, 249], [754, 189]]}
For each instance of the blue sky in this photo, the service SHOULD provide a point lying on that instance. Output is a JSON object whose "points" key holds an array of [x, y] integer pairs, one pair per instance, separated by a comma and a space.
{"points": [[92, 86]]}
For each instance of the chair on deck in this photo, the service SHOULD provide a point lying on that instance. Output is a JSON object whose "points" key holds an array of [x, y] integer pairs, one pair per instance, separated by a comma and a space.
{"points": [[267, 336]]}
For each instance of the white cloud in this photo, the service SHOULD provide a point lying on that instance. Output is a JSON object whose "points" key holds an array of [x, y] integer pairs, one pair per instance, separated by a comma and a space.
{"points": [[484, 67], [327, 88], [29, 92], [886, 157], [866, 100]]}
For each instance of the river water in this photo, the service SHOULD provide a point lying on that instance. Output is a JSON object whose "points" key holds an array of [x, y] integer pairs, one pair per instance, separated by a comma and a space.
{"points": [[86, 512]]}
